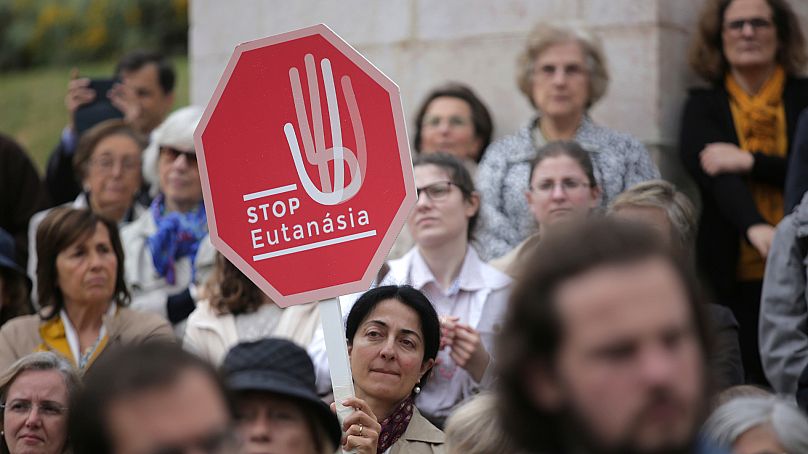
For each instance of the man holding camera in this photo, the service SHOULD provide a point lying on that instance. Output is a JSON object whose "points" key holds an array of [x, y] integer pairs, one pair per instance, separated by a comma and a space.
{"points": [[143, 93]]}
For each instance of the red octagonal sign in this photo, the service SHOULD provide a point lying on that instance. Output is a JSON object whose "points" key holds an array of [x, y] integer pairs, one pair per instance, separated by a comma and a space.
{"points": [[305, 165]]}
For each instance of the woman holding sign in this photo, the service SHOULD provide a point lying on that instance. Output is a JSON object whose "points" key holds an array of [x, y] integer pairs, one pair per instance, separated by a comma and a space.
{"points": [[393, 338], [469, 296]]}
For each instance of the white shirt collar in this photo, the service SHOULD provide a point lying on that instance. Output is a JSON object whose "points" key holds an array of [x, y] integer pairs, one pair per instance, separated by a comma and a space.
{"points": [[469, 278], [73, 336]]}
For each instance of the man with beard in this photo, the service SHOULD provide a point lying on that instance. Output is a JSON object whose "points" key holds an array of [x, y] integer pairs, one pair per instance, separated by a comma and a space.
{"points": [[605, 346]]}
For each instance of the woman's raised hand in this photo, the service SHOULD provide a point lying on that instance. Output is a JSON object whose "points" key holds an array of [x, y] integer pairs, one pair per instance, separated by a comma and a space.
{"points": [[467, 349]]}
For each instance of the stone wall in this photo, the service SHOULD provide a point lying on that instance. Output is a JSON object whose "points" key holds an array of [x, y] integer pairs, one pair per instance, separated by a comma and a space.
{"points": [[421, 43]]}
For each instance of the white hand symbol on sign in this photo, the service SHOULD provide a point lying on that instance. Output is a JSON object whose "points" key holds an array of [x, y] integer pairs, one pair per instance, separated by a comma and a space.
{"points": [[316, 152]]}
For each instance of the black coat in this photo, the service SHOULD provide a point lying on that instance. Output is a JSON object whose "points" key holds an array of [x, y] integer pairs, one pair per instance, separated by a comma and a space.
{"points": [[21, 194], [797, 177], [728, 208]]}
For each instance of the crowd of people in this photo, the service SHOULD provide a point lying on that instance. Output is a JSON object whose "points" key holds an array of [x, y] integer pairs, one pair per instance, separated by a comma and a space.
{"points": [[549, 294]]}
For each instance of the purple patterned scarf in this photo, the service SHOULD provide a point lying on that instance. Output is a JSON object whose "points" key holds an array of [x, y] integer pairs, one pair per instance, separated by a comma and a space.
{"points": [[394, 426], [178, 235]]}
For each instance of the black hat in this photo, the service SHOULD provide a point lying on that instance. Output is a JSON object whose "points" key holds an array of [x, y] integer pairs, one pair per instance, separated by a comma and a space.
{"points": [[7, 257], [281, 367]]}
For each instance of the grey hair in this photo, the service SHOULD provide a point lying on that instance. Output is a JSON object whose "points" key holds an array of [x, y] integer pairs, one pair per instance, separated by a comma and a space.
{"points": [[41, 361], [545, 35], [734, 418], [660, 194]]}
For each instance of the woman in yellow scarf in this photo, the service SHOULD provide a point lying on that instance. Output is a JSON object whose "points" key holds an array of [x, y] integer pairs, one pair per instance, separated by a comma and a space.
{"points": [[83, 294], [734, 141]]}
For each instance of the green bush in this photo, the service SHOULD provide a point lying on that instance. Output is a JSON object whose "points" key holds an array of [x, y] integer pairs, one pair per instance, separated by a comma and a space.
{"points": [[48, 32]]}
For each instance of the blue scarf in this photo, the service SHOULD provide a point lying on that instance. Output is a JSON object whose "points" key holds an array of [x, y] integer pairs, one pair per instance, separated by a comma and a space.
{"points": [[178, 235]]}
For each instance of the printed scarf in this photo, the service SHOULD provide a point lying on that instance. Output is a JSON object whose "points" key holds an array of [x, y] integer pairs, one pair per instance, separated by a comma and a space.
{"points": [[760, 123], [394, 426], [178, 235]]}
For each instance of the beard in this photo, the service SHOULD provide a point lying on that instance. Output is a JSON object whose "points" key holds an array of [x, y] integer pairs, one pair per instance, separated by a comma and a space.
{"points": [[581, 438]]}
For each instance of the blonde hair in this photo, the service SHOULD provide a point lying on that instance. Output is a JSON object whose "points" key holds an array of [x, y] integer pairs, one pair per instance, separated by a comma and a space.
{"points": [[474, 428], [545, 35], [660, 194]]}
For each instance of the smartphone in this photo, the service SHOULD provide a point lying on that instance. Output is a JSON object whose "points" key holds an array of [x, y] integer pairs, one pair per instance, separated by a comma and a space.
{"points": [[99, 109]]}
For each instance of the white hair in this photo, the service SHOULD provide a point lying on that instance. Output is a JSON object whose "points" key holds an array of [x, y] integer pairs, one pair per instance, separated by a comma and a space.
{"points": [[737, 416], [176, 131]]}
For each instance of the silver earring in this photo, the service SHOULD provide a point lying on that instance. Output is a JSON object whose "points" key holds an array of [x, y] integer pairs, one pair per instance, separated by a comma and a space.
{"points": [[417, 389]]}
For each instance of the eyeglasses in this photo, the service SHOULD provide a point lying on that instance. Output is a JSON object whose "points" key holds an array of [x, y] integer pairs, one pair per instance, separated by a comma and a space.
{"points": [[757, 23], [23, 408], [437, 191], [172, 154], [106, 164], [434, 122], [567, 185], [546, 72]]}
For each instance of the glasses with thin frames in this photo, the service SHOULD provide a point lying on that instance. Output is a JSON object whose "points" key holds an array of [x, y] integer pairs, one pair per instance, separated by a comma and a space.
{"points": [[437, 191], [23, 408], [568, 185], [548, 71], [106, 164], [757, 23], [172, 154], [454, 122]]}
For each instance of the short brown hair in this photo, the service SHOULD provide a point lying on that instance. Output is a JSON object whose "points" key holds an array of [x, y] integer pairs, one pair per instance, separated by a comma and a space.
{"points": [[570, 149], [62, 227], [93, 136], [707, 51], [483, 125], [229, 291], [545, 35], [532, 332]]}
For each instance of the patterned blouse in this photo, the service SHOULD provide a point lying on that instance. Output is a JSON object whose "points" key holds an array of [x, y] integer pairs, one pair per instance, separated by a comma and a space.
{"points": [[620, 161]]}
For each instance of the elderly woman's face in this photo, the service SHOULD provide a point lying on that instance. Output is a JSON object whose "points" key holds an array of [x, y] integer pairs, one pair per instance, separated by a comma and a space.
{"points": [[35, 414], [113, 173], [758, 440], [561, 81], [179, 178], [387, 352], [448, 126], [87, 269], [749, 34]]}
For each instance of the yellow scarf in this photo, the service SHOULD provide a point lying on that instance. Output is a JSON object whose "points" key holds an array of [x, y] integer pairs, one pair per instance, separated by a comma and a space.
{"points": [[760, 123], [54, 338]]}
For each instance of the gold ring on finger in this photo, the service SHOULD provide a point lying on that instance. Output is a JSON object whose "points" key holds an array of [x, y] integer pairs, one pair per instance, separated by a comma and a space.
{"points": [[361, 428]]}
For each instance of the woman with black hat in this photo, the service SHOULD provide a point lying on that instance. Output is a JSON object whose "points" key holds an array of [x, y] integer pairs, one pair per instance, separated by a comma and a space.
{"points": [[277, 404]]}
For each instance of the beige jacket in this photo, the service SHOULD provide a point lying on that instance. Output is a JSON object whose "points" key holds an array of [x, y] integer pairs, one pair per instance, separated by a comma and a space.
{"points": [[421, 437], [20, 336], [511, 262], [211, 336]]}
